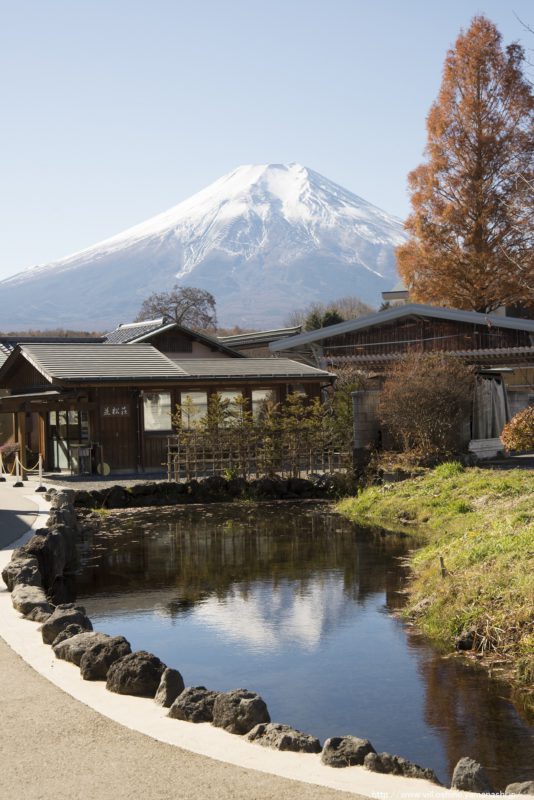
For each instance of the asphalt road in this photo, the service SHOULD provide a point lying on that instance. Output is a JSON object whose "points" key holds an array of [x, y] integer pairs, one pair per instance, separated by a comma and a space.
{"points": [[17, 512]]}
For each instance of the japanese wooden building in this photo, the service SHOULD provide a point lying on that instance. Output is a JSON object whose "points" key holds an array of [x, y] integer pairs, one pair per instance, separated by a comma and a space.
{"points": [[500, 348], [109, 403]]}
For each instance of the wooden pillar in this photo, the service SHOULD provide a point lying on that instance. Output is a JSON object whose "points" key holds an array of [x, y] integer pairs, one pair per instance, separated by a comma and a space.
{"points": [[21, 427], [362, 425], [42, 435], [137, 409], [365, 425]]}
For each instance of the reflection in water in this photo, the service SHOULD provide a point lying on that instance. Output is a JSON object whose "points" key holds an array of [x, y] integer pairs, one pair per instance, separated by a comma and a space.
{"points": [[469, 708], [267, 617], [291, 601]]}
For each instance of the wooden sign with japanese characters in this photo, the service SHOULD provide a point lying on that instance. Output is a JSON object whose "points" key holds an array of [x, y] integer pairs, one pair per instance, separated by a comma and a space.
{"points": [[116, 411]]}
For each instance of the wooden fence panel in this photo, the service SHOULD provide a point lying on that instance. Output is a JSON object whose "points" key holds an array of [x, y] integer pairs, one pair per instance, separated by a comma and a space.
{"points": [[228, 453]]}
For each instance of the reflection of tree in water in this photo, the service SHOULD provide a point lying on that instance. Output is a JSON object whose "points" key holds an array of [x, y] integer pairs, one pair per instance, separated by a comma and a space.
{"points": [[213, 549], [474, 718]]}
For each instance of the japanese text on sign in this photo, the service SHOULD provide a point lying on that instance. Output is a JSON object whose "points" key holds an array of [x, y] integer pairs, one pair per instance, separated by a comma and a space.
{"points": [[116, 411]]}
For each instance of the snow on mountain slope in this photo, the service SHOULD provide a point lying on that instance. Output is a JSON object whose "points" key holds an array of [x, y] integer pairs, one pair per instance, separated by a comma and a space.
{"points": [[263, 239]]}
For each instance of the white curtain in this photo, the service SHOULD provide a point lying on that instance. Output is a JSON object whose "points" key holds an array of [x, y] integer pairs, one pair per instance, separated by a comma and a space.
{"points": [[491, 411]]}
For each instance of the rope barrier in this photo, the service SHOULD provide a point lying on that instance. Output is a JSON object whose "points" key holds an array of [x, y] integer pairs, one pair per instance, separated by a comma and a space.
{"points": [[20, 469], [4, 471], [32, 469]]}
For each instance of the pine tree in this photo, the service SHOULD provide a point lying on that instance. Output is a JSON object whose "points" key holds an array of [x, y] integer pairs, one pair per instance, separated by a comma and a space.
{"points": [[472, 223]]}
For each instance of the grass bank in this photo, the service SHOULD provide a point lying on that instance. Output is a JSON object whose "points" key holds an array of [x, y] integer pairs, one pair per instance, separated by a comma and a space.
{"points": [[481, 524]]}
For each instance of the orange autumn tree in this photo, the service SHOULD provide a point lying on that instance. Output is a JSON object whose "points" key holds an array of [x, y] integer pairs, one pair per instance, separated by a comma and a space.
{"points": [[471, 228]]}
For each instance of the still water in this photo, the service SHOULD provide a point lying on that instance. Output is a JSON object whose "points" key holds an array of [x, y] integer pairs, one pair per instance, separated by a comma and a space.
{"points": [[295, 602]]}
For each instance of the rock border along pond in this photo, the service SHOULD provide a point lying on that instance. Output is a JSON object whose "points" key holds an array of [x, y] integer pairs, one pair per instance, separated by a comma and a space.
{"points": [[40, 578]]}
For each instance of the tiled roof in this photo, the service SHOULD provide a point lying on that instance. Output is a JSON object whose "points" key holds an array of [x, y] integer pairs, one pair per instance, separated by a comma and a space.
{"points": [[9, 343], [206, 368], [131, 331], [5, 350], [80, 363]]}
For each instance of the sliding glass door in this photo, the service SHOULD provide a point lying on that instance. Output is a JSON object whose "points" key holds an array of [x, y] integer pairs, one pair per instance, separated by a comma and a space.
{"points": [[66, 428]]}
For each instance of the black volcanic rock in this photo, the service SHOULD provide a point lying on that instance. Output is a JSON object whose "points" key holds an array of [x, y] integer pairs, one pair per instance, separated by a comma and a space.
{"points": [[138, 673]]}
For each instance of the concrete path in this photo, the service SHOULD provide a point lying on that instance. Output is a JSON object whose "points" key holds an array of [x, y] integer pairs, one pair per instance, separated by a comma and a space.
{"points": [[54, 747], [17, 512], [524, 461]]}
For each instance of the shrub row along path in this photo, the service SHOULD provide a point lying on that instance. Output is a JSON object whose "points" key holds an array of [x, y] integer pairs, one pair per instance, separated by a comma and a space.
{"points": [[53, 746]]}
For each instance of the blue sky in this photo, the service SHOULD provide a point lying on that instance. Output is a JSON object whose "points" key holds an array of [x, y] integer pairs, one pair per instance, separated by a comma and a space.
{"points": [[115, 110]]}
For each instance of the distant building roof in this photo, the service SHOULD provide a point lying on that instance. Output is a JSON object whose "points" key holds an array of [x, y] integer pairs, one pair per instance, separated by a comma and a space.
{"points": [[398, 292], [9, 343], [258, 338], [4, 353], [137, 332], [399, 287], [398, 312], [133, 331]]}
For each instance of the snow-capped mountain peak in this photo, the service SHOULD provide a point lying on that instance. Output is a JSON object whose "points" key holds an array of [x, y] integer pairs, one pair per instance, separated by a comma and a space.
{"points": [[264, 239]]}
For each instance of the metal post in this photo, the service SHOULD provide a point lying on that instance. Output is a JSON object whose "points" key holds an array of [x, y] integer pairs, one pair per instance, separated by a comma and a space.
{"points": [[41, 488], [18, 482]]}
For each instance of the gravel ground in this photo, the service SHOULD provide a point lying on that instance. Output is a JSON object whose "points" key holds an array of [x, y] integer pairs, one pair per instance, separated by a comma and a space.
{"points": [[94, 482]]}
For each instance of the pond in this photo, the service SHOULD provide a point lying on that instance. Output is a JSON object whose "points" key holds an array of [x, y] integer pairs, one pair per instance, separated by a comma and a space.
{"points": [[295, 602]]}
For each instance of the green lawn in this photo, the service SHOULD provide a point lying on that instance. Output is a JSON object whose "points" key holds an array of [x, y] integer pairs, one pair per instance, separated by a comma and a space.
{"points": [[481, 523]]}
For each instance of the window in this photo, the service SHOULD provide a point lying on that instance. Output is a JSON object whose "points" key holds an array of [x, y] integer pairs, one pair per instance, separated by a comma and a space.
{"points": [[174, 343], [231, 396], [224, 408], [157, 411], [297, 388], [194, 407], [260, 397]]}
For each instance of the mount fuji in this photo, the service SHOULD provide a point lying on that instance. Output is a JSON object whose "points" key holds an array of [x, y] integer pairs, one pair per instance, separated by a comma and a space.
{"points": [[264, 240]]}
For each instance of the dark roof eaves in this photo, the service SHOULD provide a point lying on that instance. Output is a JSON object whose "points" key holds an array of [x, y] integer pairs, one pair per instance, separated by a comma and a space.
{"points": [[100, 379], [304, 376], [156, 379]]}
